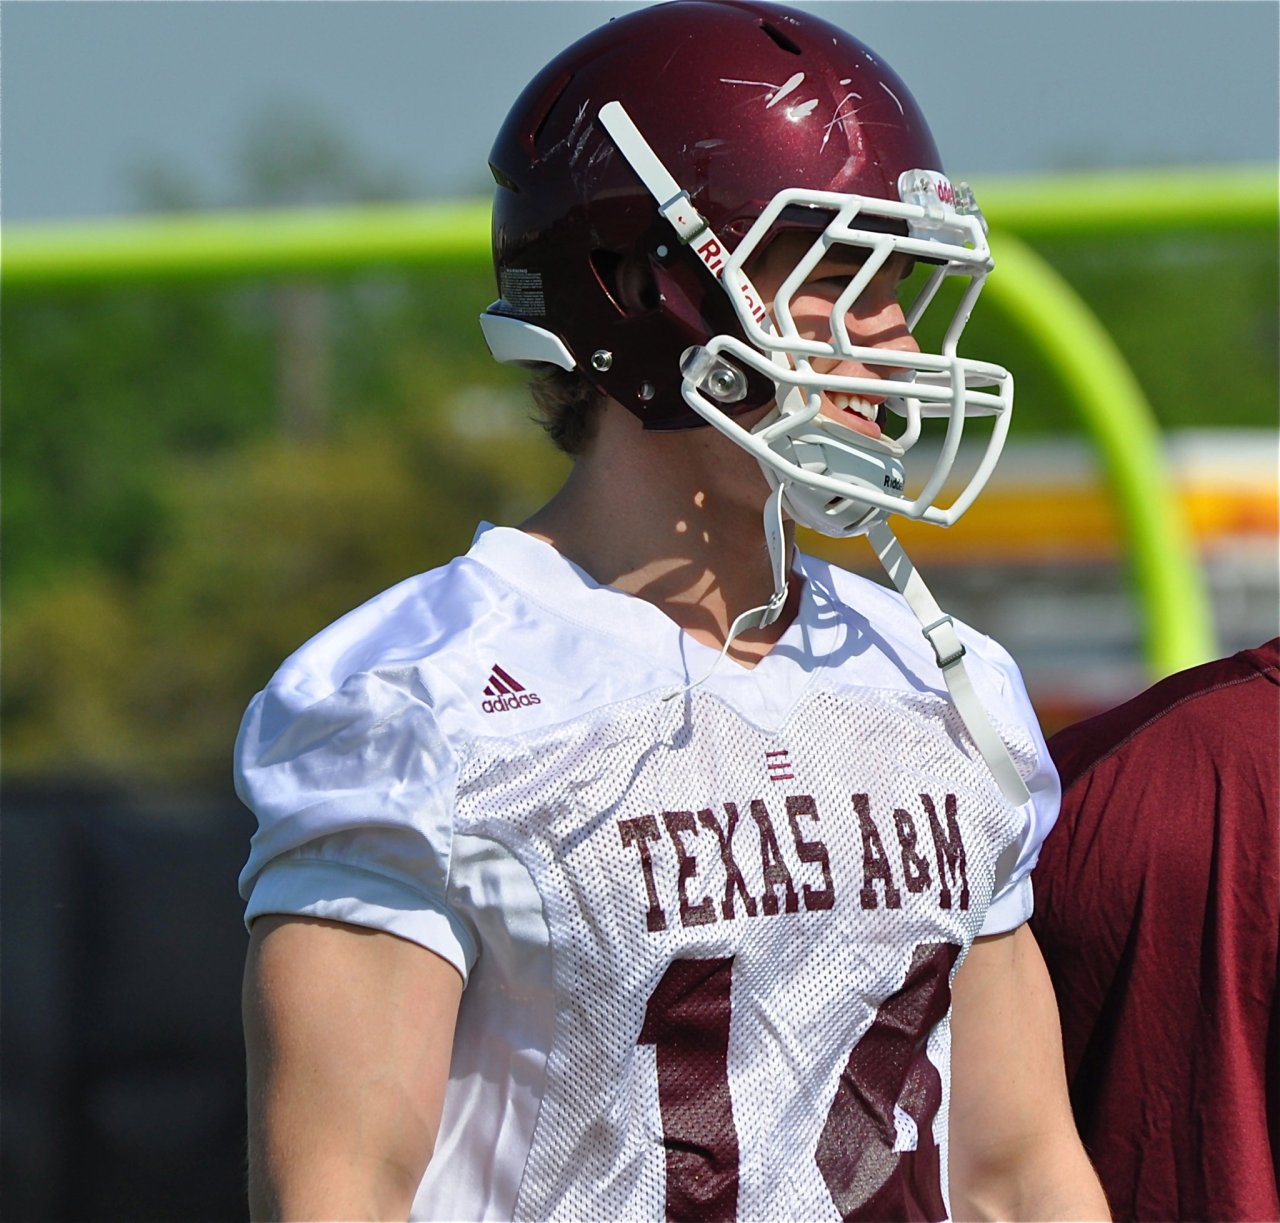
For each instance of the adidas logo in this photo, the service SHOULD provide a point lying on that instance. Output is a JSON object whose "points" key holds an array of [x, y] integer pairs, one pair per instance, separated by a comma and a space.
{"points": [[506, 693]]}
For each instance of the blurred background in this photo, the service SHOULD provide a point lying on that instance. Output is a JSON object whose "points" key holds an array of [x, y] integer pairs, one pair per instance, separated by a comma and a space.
{"points": [[203, 465]]}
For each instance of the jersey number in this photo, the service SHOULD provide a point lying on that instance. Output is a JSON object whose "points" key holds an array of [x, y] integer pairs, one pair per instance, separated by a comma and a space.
{"points": [[888, 1073]]}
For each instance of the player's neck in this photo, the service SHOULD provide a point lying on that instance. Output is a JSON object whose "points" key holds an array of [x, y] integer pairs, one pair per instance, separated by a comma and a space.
{"points": [[662, 519]]}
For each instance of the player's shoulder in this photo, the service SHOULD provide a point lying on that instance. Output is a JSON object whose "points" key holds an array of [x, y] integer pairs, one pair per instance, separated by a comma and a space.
{"points": [[1211, 700], [506, 638], [891, 635], [403, 627]]}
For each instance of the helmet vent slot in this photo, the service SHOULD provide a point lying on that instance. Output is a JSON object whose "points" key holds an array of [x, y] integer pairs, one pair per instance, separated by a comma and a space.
{"points": [[503, 180], [780, 38], [542, 110]]}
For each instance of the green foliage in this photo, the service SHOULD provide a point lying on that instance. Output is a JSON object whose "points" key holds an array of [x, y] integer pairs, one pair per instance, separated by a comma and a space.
{"points": [[103, 389], [67, 668], [1195, 316], [100, 388], [145, 680]]}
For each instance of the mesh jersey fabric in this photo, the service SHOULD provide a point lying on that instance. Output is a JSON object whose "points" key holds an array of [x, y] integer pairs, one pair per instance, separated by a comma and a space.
{"points": [[708, 935], [1158, 912]]}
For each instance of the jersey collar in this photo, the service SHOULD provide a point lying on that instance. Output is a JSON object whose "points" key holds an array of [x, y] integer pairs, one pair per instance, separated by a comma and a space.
{"points": [[764, 693]]}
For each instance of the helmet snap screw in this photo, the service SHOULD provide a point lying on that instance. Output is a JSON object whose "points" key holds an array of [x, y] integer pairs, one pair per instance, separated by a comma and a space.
{"points": [[721, 383], [646, 390], [601, 360]]}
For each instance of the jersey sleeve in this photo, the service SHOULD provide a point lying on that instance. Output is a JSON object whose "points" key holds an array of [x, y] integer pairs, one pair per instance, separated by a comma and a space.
{"points": [[1013, 900], [353, 790]]}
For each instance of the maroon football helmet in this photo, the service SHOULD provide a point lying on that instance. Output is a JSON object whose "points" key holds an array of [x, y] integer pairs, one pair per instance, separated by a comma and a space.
{"points": [[739, 101], [646, 166]]}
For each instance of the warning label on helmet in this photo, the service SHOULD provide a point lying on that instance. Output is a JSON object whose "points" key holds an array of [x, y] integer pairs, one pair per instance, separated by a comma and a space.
{"points": [[522, 290]]}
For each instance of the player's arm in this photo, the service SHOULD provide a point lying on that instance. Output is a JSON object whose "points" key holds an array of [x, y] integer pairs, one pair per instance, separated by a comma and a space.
{"points": [[1015, 1153], [349, 1034]]}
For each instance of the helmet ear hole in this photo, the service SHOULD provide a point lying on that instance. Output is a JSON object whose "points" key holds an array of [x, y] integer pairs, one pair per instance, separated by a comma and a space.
{"points": [[627, 281]]}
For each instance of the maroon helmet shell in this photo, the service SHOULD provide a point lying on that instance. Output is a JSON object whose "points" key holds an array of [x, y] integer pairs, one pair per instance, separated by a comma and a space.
{"points": [[739, 101]]}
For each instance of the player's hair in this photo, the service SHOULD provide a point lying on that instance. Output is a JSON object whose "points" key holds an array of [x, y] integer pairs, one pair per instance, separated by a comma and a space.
{"points": [[568, 407]]}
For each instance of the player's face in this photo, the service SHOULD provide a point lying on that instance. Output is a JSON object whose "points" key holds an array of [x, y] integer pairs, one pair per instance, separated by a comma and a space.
{"points": [[875, 320]]}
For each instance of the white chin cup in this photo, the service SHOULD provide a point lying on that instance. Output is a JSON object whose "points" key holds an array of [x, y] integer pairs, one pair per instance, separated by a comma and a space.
{"points": [[829, 449]]}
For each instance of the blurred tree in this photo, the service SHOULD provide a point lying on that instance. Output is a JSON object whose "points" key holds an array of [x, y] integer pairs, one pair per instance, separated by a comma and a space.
{"points": [[287, 154], [291, 154], [146, 682], [99, 388], [68, 660], [1196, 316], [197, 478]]}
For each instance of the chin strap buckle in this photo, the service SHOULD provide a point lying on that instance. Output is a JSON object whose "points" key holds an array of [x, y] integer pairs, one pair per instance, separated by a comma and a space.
{"points": [[773, 609], [673, 202], [684, 218], [948, 649]]}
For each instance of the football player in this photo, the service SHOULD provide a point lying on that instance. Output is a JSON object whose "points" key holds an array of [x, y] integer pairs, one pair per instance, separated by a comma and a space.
{"points": [[635, 864]]}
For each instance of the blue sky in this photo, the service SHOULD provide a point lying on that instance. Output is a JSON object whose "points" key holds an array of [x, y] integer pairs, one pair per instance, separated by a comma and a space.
{"points": [[94, 92]]}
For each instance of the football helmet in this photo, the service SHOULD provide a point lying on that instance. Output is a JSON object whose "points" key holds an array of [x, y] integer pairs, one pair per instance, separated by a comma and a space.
{"points": [[681, 139], [639, 174]]}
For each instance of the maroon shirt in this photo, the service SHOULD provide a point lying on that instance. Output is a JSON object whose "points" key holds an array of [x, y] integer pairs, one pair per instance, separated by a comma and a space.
{"points": [[1158, 911]]}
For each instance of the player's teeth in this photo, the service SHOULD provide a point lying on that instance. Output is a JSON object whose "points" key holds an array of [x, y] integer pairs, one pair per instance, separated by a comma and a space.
{"points": [[853, 403]]}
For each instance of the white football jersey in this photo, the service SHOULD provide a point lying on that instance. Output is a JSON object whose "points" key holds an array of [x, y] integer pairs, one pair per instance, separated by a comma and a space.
{"points": [[708, 935]]}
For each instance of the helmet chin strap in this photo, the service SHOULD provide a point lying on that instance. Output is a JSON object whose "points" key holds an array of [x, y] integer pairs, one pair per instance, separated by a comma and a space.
{"points": [[757, 617], [938, 629], [947, 648]]}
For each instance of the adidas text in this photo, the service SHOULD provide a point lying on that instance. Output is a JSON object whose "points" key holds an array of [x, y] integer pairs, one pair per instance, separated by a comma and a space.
{"points": [[502, 703]]}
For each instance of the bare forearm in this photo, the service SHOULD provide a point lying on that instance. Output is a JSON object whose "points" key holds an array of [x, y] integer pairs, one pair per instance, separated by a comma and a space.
{"points": [[1071, 1194], [334, 1191]]}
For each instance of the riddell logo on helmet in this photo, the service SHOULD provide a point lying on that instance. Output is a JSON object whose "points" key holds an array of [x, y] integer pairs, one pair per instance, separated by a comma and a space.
{"points": [[709, 251], [506, 693]]}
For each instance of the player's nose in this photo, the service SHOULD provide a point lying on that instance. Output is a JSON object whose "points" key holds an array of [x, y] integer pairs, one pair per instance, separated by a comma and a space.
{"points": [[881, 325], [887, 321]]}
